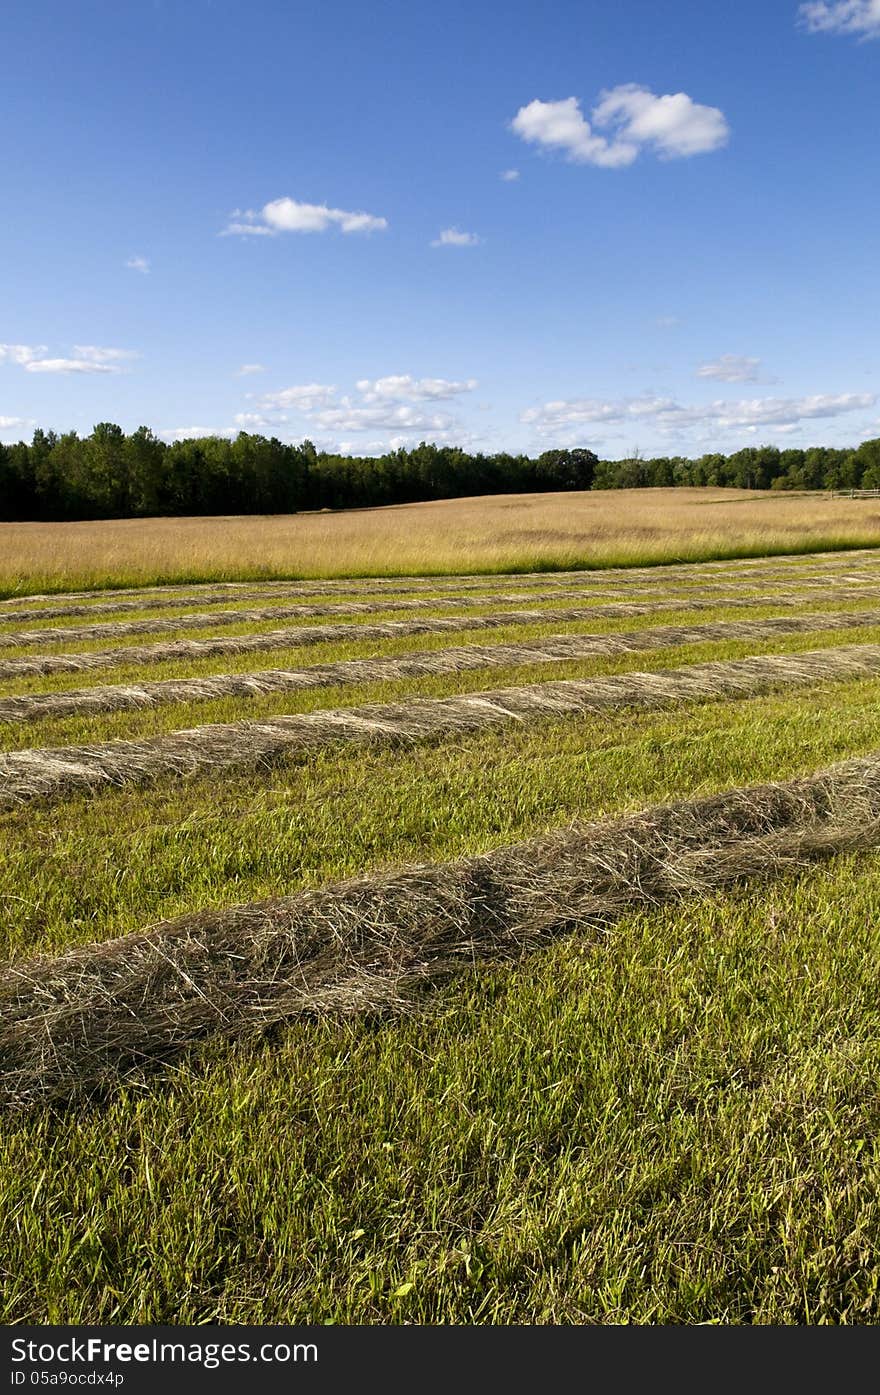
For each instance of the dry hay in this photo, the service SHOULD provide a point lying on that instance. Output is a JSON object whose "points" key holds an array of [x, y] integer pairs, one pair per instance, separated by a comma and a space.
{"points": [[526, 588], [164, 651], [211, 619], [53, 773], [212, 597], [81, 1021], [465, 658]]}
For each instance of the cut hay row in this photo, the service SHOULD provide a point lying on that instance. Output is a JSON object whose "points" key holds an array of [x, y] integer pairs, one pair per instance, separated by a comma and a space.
{"points": [[303, 636], [79, 1022], [525, 588], [216, 620], [58, 772], [211, 598], [464, 658]]}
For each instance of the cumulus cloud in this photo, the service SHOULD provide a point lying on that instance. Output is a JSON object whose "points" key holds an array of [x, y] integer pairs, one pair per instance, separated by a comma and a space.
{"points": [[403, 387], [88, 358], [22, 354], [186, 433], [70, 365], [247, 369], [674, 126], [861, 17], [509, 176], [94, 353], [401, 440], [670, 417], [389, 417], [140, 264], [398, 403], [453, 237], [234, 229], [306, 397], [731, 368], [256, 421], [289, 215], [13, 423]]}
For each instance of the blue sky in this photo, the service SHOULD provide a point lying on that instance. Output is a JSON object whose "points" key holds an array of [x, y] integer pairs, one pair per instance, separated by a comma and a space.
{"points": [[683, 256]]}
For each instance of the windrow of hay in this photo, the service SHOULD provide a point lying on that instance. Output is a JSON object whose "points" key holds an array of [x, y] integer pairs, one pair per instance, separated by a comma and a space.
{"points": [[163, 651], [54, 773], [554, 649], [586, 585], [211, 598], [77, 1023], [211, 619]]}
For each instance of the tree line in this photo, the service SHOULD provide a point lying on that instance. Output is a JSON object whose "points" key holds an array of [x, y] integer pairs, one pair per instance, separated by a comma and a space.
{"points": [[110, 474]]}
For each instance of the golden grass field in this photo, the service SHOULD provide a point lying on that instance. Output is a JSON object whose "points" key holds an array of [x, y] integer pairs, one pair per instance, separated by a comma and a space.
{"points": [[527, 532]]}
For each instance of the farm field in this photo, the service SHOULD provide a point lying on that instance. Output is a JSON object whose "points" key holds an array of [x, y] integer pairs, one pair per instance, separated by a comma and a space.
{"points": [[470, 948], [502, 533]]}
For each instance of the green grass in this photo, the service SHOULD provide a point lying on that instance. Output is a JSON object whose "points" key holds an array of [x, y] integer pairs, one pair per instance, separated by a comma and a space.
{"points": [[95, 867], [299, 656], [676, 1124], [90, 729], [676, 1121]]}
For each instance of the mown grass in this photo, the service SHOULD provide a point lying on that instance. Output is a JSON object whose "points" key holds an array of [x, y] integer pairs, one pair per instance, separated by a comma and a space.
{"points": [[677, 1124], [91, 728], [351, 647], [332, 609], [95, 867]]}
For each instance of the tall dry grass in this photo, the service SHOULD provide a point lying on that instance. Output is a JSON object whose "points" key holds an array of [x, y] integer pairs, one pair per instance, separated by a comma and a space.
{"points": [[524, 532]]}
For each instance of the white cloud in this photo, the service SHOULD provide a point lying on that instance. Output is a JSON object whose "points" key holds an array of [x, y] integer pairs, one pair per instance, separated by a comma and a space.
{"points": [[673, 125], [255, 421], [247, 230], [22, 354], [94, 353], [307, 397], [288, 215], [667, 321], [402, 440], [860, 17], [90, 358], [389, 417], [186, 433], [731, 368], [398, 403], [70, 365], [562, 126], [12, 423], [670, 417], [247, 369], [452, 237], [509, 176], [403, 387], [140, 264]]}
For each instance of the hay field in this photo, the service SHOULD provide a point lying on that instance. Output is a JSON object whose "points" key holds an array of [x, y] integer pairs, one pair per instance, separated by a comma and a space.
{"points": [[504, 533], [480, 949]]}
